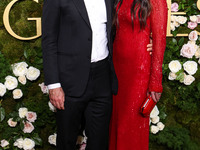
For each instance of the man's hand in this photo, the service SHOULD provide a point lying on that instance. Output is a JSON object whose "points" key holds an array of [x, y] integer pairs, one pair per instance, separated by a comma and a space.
{"points": [[150, 46], [57, 97]]}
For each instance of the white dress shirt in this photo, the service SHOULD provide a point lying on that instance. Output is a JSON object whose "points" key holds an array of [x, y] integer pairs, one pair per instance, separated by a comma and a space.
{"points": [[97, 14]]}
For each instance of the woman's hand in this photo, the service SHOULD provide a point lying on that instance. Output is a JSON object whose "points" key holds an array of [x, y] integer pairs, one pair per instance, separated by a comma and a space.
{"points": [[150, 47], [155, 96]]}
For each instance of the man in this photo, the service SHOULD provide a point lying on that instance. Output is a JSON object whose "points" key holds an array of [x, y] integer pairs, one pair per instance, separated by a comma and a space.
{"points": [[78, 68]]}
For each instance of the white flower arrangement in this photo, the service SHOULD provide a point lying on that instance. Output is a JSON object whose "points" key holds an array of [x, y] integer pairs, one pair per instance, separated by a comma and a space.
{"points": [[32, 73], [175, 66], [20, 69], [26, 144], [2, 89], [17, 94], [23, 73], [190, 67], [176, 21], [11, 82], [52, 139], [22, 112], [155, 121]]}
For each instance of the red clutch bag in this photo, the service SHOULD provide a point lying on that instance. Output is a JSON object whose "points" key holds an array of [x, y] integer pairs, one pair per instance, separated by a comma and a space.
{"points": [[147, 106]]}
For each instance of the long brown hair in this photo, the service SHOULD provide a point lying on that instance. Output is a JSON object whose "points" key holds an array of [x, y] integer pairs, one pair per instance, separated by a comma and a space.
{"points": [[144, 7]]}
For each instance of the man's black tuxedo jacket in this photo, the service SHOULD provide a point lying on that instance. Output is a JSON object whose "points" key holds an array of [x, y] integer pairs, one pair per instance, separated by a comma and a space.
{"points": [[67, 44]]}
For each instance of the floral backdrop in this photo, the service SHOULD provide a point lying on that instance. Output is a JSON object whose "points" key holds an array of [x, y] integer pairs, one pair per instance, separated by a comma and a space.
{"points": [[27, 118]]}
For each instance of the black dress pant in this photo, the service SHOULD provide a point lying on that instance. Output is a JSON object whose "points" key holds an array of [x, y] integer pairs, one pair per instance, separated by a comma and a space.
{"points": [[95, 104]]}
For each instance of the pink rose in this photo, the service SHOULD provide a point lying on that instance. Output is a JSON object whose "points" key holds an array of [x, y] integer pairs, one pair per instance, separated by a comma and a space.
{"points": [[188, 50], [174, 7], [192, 25], [193, 36], [28, 127], [198, 18], [82, 147], [31, 116], [44, 88]]}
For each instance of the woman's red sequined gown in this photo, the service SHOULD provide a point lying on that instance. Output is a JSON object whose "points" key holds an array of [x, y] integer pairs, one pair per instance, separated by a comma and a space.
{"points": [[137, 72]]}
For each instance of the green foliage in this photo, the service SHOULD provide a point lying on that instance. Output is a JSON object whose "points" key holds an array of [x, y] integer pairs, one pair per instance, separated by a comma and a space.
{"points": [[175, 138]]}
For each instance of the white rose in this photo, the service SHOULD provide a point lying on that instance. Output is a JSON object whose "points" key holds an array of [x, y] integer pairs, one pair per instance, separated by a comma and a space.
{"points": [[172, 76], [175, 66], [181, 19], [32, 73], [193, 36], [172, 26], [31, 116], [193, 18], [22, 112], [28, 144], [155, 112], [20, 69], [17, 94], [28, 127], [190, 67], [2, 89], [52, 139], [197, 53], [11, 82], [155, 119], [173, 18], [188, 50], [51, 107], [188, 79], [19, 143], [176, 24], [11, 123], [160, 125], [4, 143], [22, 79], [154, 129]]}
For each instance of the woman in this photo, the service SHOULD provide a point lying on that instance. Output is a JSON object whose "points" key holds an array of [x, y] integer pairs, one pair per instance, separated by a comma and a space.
{"points": [[138, 72]]}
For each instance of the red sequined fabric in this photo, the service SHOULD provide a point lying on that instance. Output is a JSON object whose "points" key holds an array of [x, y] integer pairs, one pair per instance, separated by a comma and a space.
{"points": [[137, 72]]}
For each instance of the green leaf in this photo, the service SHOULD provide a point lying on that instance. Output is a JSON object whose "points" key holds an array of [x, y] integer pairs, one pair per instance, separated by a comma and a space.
{"points": [[198, 86], [175, 33], [174, 41], [181, 41], [38, 140], [25, 54], [2, 114], [183, 6], [180, 76]]}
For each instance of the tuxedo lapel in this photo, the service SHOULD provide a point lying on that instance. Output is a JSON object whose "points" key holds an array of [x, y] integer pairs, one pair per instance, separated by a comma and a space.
{"points": [[80, 5], [109, 16]]}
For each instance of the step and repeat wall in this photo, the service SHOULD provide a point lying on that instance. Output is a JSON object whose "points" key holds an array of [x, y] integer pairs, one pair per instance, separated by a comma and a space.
{"points": [[27, 119]]}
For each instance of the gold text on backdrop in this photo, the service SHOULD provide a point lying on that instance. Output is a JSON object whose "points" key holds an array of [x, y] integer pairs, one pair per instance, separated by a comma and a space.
{"points": [[9, 29], [38, 21]]}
